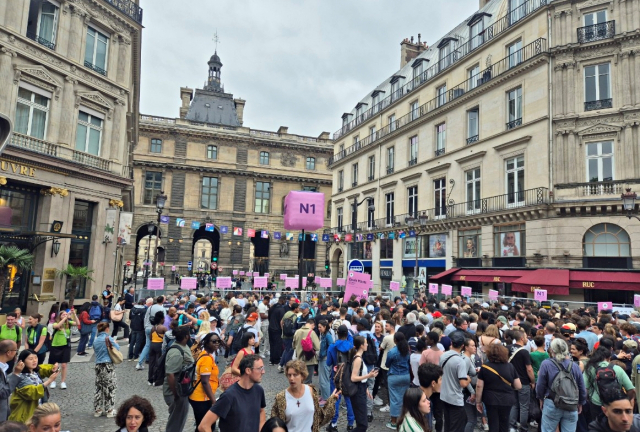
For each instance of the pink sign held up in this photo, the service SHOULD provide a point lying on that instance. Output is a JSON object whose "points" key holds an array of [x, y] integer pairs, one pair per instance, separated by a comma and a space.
{"points": [[326, 283], [155, 283], [394, 286], [291, 283], [256, 274], [636, 300], [266, 275], [304, 210], [340, 282], [188, 283], [241, 272], [604, 306], [540, 295], [465, 291], [223, 282], [447, 289], [260, 282], [235, 272], [493, 295], [283, 276], [358, 284], [433, 288]]}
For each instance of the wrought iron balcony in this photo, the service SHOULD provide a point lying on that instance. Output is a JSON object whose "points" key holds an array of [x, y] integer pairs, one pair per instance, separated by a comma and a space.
{"points": [[129, 8], [354, 184], [340, 188], [95, 68], [514, 124], [389, 170], [41, 41], [596, 32], [413, 161], [472, 139], [440, 151], [535, 48], [500, 26], [599, 104], [372, 177]]}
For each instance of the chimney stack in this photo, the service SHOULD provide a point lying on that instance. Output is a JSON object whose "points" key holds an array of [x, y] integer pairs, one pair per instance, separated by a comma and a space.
{"points": [[483, 3], [410, 49], [240, 109], [186, 94]]}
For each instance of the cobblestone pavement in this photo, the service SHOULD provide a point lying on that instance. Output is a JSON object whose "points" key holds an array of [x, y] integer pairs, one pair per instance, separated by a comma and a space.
{"points": [[77, 401]]}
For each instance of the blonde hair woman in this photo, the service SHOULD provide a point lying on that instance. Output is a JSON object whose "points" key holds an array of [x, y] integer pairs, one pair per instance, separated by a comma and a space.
{"points": [[490, 336], [205, 326], [46, 417]]}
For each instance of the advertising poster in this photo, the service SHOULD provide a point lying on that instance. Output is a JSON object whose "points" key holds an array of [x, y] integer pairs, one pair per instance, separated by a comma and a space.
{"points": [[110, 225], [437, 246], [124, 228], [470, 246], [510, 244]]}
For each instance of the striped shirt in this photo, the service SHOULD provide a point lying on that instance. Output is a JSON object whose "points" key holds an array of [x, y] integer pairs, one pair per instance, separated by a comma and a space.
{"points": [[409, 424]]}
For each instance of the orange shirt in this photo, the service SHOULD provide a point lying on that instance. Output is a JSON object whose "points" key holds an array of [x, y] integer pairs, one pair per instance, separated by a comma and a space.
{"points": [[205, 365]]}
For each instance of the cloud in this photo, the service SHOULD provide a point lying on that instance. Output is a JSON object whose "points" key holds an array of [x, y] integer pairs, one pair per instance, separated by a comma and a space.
{"points": [[300, 63]]}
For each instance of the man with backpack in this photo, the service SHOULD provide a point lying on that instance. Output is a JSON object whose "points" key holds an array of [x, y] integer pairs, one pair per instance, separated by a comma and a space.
{"points": [[247, 327], [370, 358], [520, 358], [560, 389], [95, 314], [136, 318], [177, 358], [288, 324], [455, 378], [307, 344], [151, 312], [337, 354], [13, 332]]}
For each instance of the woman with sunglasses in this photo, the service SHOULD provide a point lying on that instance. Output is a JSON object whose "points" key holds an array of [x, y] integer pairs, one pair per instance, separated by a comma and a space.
{"points": [[203, 395]]}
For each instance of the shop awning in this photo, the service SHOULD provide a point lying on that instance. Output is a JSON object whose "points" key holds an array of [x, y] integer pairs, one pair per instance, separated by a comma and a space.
{"points": [[618, 280], [444, 276], [554, 281], [486, 275]]}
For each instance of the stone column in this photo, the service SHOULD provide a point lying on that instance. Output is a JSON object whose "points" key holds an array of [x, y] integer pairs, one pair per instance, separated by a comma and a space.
{"points": [[124, 61], [560, 153], [558, 89], [571, 88], [557, 32], [15, 14], [67, 112], [76, 36], [53, 129], [574, 158], [6, 79], [622, 21], [112, 58], [636, 61], [107, 135], [629, 150], [118, 133], [626, 82]]}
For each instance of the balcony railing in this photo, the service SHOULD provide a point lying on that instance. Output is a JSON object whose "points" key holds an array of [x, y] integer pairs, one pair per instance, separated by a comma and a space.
{"points": [[527, 198], [440, 151], [503, 66], [129, 8], [514, 124], [372, 178], [472, 139], [41, 41], [596, 32], [599, 104], [460, 52], [602, 188], [58, 151], [95, 68], [389, 170], [413, 161], [354, 184]]}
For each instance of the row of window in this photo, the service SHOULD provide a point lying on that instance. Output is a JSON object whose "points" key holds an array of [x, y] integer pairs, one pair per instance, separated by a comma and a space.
{"points": [[212, 153]]}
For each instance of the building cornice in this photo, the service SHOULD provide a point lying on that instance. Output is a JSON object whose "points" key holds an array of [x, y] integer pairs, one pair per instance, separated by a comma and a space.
{"points": [[467, 158]]}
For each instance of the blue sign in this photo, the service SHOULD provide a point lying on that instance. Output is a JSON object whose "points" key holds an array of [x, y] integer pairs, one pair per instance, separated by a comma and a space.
{"points": [[325, 237], [356, 266], [189, 265]]}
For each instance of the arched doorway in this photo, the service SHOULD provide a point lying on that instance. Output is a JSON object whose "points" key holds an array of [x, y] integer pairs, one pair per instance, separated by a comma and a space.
{"points": [[259, 251], [206, 251], [337, 264], [145, 246]]}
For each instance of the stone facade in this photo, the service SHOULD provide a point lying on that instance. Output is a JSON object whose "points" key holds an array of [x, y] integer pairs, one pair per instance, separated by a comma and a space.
{"points": [[186, 154], [73, 125]]}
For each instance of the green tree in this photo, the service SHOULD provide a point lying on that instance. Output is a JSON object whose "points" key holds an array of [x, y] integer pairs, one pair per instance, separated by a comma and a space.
{"points": [[75, 276], [21, 259]]}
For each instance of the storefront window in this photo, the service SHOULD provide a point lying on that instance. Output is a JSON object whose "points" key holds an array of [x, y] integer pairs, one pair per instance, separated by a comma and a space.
{"points": [[386, 248], [469, 244], [510, 240], [79, 249], [409, 249], [606, 240], [17, 208]]}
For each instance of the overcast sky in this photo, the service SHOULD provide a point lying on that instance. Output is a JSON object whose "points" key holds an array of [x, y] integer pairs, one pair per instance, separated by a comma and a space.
{"points": [[297, 63]]}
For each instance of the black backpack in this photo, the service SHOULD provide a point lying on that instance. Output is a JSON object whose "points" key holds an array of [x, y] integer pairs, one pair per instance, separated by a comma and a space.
{"points": [[38, 331], [236, 344], [188, 370], [342, 379], [370, 356], [288, 327], [606, 380], [137, 318]]}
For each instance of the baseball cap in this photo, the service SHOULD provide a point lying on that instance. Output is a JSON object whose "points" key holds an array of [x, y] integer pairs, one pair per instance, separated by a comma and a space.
{"points": [[363, 322], [504, 307], [336, 324], [304, 306], [503, 320], [370, 308], [629, 343], [485, 305], [437, 314], [252, 317], [568, 328]]}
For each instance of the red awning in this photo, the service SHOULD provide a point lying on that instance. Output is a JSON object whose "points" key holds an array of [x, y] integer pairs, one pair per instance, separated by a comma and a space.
{"points": [[620, 280], [444, 275], [482, 275], [554, 281]]}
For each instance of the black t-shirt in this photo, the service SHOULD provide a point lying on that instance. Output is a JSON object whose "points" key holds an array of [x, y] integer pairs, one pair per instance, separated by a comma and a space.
{"points": [[276, 312], [496, 391], [520, 361], [233, 406]]}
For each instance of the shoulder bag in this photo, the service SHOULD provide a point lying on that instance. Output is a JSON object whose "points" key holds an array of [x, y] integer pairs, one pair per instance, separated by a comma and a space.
{"points": [[114, 353]]}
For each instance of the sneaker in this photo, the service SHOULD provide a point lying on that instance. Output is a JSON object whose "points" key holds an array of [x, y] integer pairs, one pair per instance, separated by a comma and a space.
{"points": [[111, 413], [82, 354], [139, 367], [63, 386], [262, 355], [131, 359], [52, 385], [280, 369], [385, 408], [392, 426], [332, 428], [377, 401], [97, 413], [350, 427], [123, 341], [149, 383], [533, 424], [485, 426], [89, 347]]}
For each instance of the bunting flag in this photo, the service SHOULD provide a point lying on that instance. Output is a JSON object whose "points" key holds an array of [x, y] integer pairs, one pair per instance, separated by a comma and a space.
{"points": [[195, 225], [412, 233], [359, 237], [264, 234], [237, 231], [209, 227], [289, 236], [370, 237], [392, 235], [348, 237], [402, 234], [314, 237], [381, 236], [325, 237], [180, 222], [336, 237], [277, 235], [224, 229], [251, 232], [299, 237], [164, 219]]}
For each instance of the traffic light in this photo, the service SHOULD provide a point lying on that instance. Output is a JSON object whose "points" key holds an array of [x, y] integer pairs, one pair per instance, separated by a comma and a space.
{"points": [[326, 264], [215, 256]]}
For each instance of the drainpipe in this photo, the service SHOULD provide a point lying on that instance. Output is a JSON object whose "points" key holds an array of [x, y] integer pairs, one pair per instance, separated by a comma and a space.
{"points": [[550, 78]]}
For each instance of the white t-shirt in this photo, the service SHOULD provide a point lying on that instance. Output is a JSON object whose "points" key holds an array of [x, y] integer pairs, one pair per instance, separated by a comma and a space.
{"points": [[414, 361], [263, 309], [299, 412]]}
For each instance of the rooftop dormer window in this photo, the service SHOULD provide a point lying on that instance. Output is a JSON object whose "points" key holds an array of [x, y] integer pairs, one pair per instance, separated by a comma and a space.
{"points": [[445, 54]]}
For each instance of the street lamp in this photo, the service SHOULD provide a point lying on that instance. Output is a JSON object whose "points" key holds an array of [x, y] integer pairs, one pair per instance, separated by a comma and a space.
{"points": [[629, 202], [411, 221], [354, 218], [161, 199]]}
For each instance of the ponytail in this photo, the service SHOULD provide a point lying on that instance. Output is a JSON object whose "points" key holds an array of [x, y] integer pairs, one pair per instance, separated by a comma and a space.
{"points": [[358, 341]]}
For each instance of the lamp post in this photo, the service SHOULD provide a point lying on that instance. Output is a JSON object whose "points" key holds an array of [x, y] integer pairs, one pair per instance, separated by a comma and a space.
{"points": [[161, 199], [354, 218], [146, 261], [629, 202], [411, 221]]}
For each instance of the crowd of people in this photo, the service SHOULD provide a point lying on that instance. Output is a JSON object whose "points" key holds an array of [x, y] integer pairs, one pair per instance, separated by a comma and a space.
{"points": [[424, 365]]}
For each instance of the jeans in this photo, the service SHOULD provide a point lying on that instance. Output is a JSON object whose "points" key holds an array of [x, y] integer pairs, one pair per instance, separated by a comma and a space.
{"points": [[288, 351], [310, 370], [472, 417], [145, 352], [264, 339], [498, 418], [94, 332], [200, 409], [398, 384], [324, 373], [178, 412], [552, 417], [350, 416], [524, 396], [359, 405], [84, 338], [370, 383], [135, 344], [455, 418], [116, 327]]}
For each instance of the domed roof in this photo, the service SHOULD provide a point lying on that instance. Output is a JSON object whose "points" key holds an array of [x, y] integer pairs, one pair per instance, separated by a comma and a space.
{"points": [[215, 59]]}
